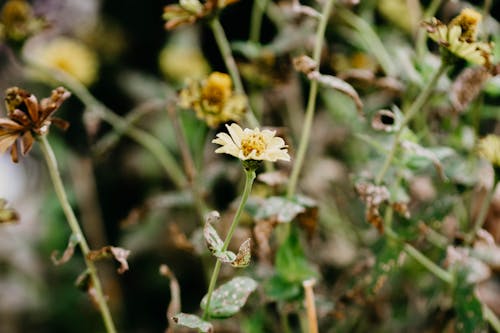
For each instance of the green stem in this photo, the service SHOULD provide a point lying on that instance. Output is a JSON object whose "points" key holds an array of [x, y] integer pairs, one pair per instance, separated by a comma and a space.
{"points": [[50, 158], [145, 139], [258, 9], [311, 102], [250, 176], [227, 55], [429, 264], [417, 106], [491, 317]]}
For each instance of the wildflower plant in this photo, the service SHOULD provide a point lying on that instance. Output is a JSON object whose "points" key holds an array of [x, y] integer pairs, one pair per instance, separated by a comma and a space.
{"points": [[369, 203]]}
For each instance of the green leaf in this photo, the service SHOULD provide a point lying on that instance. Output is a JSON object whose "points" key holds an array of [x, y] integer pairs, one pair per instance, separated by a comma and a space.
{"points": [[467, 307], [277, 288], [229, 298], [291, 262], [192, 321]]}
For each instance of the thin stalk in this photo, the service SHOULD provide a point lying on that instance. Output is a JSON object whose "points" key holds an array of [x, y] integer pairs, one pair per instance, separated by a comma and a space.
{"points": [[258, 9], [311, 102], [249, 178], [429, 264], [312, 318], [483, 211], [422, 98], [227, 55], [55, 176], [188, 162], [491, 317], [120, 124]]}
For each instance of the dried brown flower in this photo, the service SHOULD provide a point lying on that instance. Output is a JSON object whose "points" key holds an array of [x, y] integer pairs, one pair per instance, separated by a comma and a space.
{"points": [[28, 118]]}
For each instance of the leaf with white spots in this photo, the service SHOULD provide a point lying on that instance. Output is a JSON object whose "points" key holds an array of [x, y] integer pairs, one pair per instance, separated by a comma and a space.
{"points": [[228, 299], [243, 256], [192, 321], [214, 242]]}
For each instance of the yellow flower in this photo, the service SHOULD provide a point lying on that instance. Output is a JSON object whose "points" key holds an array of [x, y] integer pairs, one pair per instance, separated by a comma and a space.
{"points": [[213, 99], [189, 11], [489, 148], [459, 37], [70, 56], [247, 144], [179, 63]]}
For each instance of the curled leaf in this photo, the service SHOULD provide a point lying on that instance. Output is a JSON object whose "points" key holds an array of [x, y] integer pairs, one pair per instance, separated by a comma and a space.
{"points": [[340, 85], [384, 120], [214, 242], [7, 215], [228, 299], [175, 296], [118, 253], [68, 252], [373, 196], [243, 256], [192, 321]]}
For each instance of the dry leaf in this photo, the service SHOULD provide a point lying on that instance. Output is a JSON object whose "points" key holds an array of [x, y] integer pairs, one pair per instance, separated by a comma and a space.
{"points": [[118, 253], [243, 256], [467, 87], [174, 306], [384, 120], [68, 252]]}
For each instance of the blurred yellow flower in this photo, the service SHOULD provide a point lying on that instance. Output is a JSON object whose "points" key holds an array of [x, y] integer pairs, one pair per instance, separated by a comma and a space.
{"points": [[459, 37], [489, 148], [213, 99], [248, 144], [179, 63], [70, 56]]}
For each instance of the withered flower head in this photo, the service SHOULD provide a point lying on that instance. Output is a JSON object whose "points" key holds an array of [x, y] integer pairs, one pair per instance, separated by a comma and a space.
{"points": [[189, 11], [28, 118], [459, 37], [213, 99]]}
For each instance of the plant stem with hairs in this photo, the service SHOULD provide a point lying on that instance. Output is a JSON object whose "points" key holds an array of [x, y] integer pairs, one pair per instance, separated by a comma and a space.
{"points": [[55, 176], [249, 178], [311, 102]]}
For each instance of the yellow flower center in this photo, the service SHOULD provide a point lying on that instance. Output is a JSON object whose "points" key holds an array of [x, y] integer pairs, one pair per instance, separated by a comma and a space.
{"points": [[217, 89], [468, 20], [254, 141]]}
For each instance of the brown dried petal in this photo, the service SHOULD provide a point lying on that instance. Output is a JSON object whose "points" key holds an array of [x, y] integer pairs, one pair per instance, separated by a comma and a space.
{"points": [[31, 103], [6, 141], [27, 141]]}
